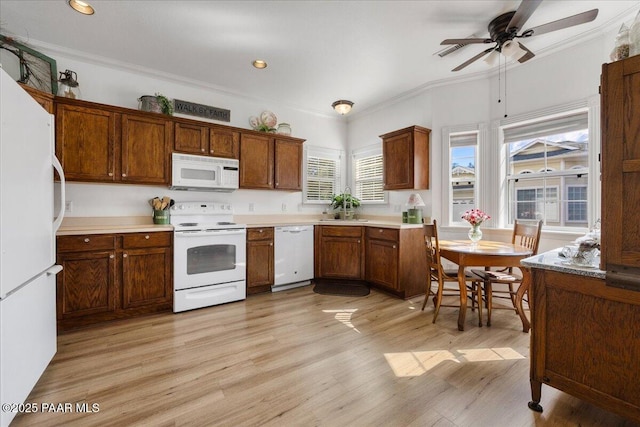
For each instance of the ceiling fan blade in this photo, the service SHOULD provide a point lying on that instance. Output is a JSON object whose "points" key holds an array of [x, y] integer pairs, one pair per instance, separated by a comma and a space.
{"points": [[475, 58], [522, 15], [527, 56], [569, 21], [465, 41]]}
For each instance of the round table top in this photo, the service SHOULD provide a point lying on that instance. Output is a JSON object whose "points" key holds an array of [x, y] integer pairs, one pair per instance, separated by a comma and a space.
{"points": [[484, 247]]}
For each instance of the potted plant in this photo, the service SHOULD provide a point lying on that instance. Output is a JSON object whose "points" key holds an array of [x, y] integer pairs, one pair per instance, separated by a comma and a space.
{"points": [[156, 104], [344, 204]]}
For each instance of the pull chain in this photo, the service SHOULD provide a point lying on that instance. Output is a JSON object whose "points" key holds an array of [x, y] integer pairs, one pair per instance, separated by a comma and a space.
{"points": [[505, 87]]}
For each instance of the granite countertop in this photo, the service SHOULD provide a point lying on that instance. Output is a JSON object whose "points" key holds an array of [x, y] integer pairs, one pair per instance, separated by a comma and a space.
{"points": [[144, 224], [552, 261]]}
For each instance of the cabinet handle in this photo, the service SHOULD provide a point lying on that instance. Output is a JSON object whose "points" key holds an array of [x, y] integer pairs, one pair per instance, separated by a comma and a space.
{"points": [[380, 230], [112, 256], [358, 241], [124, 175], [110, 174], [202, 149], [87, 240], [260, 231], [270, 244], [146, 237], [124, 255], [394, 246]]}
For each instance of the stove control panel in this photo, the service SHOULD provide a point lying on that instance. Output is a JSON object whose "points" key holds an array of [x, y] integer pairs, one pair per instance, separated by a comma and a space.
{"points": [[201, 208]]}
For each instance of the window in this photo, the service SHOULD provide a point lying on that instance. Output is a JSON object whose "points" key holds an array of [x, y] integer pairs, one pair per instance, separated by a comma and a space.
{"points": [[367, 175], [558, 149], [322, 174], [462, 177]]}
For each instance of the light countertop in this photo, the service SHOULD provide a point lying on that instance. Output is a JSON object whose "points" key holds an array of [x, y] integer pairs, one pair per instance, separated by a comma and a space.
{"points": [[552, 261], [144, 224]]}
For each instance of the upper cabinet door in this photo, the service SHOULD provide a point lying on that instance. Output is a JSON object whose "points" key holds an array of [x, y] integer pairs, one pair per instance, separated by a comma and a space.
{"points": [[85, 142], [224, 143], [288, 165], [146, 149], [405, 154], [620, 241], [191, 138], [256, 161]]}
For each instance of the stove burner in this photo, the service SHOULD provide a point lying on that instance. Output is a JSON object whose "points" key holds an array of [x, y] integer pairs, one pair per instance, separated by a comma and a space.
{"points": [[188, 224], [226, 223]]}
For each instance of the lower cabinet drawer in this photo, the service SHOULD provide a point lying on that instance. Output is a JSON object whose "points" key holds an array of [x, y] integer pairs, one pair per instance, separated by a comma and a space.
{"points": [[86, 242], [383, 233], [146, 240]]}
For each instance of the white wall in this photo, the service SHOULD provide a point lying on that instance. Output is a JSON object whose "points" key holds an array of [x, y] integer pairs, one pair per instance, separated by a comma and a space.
{"points": [[554, 79], [117, 84]]}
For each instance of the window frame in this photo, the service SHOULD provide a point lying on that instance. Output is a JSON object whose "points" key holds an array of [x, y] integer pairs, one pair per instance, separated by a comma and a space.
{"points": [[481, 136], [366, 152], [592, 107], [332, 154]]}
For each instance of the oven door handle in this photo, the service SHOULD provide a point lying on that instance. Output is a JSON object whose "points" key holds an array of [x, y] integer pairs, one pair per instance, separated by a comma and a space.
{"points": [[201, 233]]}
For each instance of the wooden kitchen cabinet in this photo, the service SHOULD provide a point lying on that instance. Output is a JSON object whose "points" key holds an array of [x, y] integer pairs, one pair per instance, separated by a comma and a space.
{"points": [[405, 155], [100, 143], [584, 341], [147, 260], [85, 142], [288, 164], [260, 259], [395, 260], [265, 157], [256, 161], [86, 286], [224, 143], [216, 141], [113, 276], [620, 165], [339, 252], [146, 151], [43, 98]]}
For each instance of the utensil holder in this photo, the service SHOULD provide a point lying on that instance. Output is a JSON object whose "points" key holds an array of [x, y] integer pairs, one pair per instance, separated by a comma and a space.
{"points": [[161, 216]]}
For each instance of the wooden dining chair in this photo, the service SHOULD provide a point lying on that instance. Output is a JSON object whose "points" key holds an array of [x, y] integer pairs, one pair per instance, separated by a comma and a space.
{"points": [[503, 283], [447, 280]]}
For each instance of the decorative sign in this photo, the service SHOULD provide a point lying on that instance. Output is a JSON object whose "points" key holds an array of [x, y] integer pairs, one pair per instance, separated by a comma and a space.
{"points": [[199, 110]]}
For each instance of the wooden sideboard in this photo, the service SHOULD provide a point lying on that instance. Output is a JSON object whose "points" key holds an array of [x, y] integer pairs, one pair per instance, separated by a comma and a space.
{"points": [[585, 341]]}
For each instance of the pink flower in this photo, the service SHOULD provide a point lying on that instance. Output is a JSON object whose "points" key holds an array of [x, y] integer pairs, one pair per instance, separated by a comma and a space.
{"points": [[475, 216]]}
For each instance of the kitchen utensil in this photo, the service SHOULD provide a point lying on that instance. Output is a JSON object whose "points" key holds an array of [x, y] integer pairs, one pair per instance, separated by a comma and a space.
{"points": [[165, 202]]}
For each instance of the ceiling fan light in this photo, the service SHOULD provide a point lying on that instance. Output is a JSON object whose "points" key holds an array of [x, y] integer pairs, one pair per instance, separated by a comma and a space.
{"points": [[342, 106], [513, 50], [492, 58]]}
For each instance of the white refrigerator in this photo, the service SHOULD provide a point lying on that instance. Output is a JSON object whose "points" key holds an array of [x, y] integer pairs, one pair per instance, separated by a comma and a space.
{"points": [[27, 243]]}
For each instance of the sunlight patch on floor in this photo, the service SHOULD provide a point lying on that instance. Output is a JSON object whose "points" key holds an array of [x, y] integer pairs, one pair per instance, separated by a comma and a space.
{"points": [[344, 316], [416, 363]]}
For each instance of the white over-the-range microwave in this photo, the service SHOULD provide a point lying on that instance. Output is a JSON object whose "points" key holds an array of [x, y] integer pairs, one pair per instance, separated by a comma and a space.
{"points": [[202, 173]]}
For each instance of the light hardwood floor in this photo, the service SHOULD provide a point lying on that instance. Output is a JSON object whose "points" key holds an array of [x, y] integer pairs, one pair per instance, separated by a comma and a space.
{"points": [[296, 358]]}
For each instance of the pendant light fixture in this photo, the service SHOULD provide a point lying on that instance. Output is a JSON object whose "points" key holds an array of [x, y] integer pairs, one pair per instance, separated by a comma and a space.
{"points": [[342, 106]]}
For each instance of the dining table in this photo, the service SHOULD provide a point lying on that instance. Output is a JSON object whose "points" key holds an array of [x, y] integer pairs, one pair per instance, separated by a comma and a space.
{"points": [[486, 253]]}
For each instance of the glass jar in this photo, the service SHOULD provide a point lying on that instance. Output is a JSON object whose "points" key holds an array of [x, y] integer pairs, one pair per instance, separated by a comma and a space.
{"points": [[284, 129], [621, 49], [634, 37]]}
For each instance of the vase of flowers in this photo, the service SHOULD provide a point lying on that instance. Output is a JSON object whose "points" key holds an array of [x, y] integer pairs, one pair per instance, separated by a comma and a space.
{"points": [[475, 217]]}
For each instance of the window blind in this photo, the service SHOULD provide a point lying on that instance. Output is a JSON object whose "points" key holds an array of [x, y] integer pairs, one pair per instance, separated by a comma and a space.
{"points": [[570, 123], [367, 172], [322, 173]]}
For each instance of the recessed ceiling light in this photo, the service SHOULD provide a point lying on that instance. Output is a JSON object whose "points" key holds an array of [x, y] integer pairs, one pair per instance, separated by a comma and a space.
{"points": [[260, 64], [82, 7]]}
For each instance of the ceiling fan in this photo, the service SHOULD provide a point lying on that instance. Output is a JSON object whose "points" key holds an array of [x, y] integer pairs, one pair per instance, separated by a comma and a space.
{"points": [[503, 31]]}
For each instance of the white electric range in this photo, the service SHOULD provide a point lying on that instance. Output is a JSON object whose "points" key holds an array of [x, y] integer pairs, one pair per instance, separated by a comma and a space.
{"points": [[209, 255]]}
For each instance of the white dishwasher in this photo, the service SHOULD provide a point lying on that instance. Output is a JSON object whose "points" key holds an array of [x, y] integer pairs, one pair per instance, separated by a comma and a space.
{"points": [[293, 255]]}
